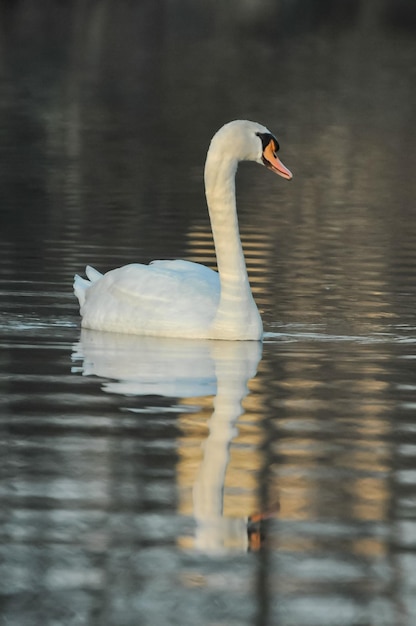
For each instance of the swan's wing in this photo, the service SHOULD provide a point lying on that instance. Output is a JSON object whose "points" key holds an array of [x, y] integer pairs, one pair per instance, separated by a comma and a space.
{"points": [[164, 297], [178, 283]]}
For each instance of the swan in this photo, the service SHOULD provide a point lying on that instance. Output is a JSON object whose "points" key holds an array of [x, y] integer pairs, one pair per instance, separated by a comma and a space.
{"points": [[180, 298]]}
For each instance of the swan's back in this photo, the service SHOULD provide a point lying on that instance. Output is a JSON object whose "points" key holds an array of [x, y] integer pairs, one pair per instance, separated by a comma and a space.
{"points": [[165, 298]]}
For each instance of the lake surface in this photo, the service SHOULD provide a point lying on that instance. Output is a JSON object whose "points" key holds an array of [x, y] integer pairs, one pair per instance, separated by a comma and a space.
{"points": [[167, 482]]}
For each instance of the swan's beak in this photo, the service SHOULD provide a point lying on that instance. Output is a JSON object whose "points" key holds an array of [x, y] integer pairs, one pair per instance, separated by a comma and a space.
{"points": [[272, 162]]}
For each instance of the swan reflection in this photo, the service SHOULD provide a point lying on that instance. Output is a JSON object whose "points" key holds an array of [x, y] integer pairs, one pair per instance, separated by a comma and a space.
{"points": [[183, 369]]}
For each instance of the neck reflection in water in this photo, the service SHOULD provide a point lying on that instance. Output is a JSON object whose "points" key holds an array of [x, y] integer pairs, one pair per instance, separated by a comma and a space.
{"points": [[182, 370]]}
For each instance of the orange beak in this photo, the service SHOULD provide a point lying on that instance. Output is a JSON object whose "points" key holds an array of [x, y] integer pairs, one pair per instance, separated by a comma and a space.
{"points": [[272, 162]]}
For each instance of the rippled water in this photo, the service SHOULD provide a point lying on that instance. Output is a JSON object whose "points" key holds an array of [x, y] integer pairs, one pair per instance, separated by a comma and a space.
{"points": [[163, 482]]}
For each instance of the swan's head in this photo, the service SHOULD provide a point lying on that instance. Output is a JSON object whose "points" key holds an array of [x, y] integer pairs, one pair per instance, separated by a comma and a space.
{"points": [[242, 140]]}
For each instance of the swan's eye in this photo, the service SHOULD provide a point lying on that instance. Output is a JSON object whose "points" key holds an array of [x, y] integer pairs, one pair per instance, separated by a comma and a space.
{"points": [[267, 139]]}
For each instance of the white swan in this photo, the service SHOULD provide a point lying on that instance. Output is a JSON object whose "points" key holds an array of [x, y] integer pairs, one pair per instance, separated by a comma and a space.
{"points": [[181, 298]]}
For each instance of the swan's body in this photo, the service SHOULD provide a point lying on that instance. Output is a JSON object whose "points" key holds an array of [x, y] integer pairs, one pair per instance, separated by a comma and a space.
{"points": [[180, 298]]}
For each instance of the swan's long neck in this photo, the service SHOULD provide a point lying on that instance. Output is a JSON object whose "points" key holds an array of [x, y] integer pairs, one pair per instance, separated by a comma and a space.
{"points": [[220, 193], [237, 311]]}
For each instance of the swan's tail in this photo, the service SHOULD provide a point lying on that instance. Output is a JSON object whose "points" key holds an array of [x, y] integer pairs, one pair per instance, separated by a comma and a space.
{"points": [[81, 285]]}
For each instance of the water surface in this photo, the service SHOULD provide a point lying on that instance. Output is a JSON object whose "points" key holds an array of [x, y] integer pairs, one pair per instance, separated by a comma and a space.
{"points": [[181, 482]]}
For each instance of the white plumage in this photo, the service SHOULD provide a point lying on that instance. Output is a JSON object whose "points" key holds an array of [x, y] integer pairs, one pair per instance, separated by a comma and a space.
{"points": [[180, 298]]}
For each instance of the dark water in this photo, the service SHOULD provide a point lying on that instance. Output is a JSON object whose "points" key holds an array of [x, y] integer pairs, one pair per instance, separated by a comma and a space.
{"points": [[214, 483]]}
